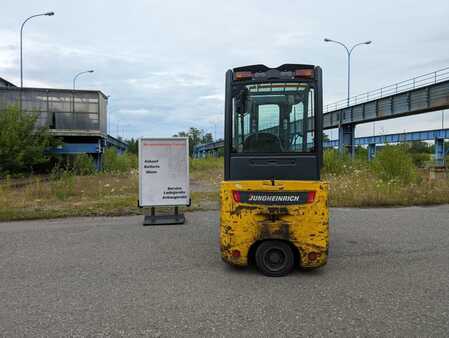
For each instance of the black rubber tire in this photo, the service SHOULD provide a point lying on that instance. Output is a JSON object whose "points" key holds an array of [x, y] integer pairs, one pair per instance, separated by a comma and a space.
{"points": [[275, 258]]}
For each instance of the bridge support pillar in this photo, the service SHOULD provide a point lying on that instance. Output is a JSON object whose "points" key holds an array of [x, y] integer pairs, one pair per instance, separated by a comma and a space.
{"points": [[346, 139], [98, 161], [439, 151], [371, 151]]}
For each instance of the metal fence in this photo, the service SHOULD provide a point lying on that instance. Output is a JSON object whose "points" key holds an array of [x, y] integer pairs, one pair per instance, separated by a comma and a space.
{"points": [[59, 108], [403, 86]]}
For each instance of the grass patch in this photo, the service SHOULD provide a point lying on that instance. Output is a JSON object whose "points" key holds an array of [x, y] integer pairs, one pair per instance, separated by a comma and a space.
{"points": [[65, 194], [70, 195], [364, 189], [206, 174], [202, 169]]}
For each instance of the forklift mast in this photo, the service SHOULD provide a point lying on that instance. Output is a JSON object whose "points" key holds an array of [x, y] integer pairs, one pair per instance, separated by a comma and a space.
{"points": [[273, 123]]}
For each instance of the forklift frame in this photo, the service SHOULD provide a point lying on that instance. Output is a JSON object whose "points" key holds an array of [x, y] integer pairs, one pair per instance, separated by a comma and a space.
{"points": [[273, 166]]}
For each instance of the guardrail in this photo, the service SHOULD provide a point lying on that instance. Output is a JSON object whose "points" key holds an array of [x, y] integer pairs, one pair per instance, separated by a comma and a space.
{"points": [[399, 87]]}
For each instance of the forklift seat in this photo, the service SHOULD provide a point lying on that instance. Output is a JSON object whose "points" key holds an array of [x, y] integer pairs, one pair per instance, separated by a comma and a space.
{"points": [[262, 143]]}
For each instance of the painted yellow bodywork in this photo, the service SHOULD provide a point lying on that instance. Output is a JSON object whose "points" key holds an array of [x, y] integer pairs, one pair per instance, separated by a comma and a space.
{"points": [[306, 226]]}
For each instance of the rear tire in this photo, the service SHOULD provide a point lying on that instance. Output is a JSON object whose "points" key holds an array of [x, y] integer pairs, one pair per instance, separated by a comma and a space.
{"points": [[274, 258]]}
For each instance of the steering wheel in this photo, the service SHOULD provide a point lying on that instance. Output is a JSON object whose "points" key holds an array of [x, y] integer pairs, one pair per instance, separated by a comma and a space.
{"points": [[262, 143]]}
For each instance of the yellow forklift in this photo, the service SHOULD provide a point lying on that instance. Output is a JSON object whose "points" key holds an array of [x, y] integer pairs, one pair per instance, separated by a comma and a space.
{"points": [[274, 209]]}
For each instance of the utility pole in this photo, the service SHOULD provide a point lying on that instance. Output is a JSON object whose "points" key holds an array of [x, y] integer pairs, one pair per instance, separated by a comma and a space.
{"points": [[350, 129], [348, 52], [21, 41], [442, 119], [80, 73]]}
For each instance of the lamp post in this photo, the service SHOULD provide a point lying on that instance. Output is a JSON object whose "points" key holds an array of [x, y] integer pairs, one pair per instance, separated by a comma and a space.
{"points": [[442, 119], [21, 39], [350, 129], [80, 73], [349, 52]]}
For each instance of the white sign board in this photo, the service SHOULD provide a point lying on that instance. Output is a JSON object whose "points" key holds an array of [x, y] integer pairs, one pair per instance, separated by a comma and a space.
{"points": [[164, 171]]}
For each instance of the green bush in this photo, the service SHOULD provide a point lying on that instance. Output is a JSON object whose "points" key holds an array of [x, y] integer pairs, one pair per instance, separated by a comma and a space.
{"points": [[394, 163], [115, 163], [22, 145], [334, 162], [361, 154], [83, 165], [420, 159]]}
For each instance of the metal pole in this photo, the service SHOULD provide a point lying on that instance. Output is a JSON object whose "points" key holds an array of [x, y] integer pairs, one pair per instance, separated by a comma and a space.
{"points": [[74, 79], [21, 53], [349, 52], [80, 73], [21, 42], [349, 75]]}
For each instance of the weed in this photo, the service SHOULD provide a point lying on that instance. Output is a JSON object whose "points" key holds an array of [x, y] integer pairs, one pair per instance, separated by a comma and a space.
{"points": [[83, 164], [115, 163], [335, 163], [394, 163], [63, 187]]}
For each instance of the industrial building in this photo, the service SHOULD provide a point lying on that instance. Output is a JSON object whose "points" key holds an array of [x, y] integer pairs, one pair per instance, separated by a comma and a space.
{"points": [[5, 84], [78, 117]]}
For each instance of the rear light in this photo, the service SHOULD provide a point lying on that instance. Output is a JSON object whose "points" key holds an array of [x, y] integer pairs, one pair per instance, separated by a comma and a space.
{"points": [[243, 75], [236, 196], [313, 256], [235, 253], [310, 196], [308, 73]]}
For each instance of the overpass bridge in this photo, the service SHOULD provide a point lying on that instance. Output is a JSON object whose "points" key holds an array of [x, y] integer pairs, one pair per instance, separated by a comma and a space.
{"points": [[422, 94], [437, 135]]}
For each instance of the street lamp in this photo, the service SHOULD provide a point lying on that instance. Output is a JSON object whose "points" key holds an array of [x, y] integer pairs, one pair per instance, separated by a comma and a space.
{"points": [[442, 119], [21, 35], [80, 73], [349, 52]]}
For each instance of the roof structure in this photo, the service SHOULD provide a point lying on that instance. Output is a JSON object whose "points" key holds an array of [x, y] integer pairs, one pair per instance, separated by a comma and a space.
{"points": [[6, 83]]}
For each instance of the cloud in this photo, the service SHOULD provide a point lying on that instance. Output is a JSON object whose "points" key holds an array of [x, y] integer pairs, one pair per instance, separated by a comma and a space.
{"points": [[213, 97], [163, 63], [7, 59], [168, 79], [290, 39]]}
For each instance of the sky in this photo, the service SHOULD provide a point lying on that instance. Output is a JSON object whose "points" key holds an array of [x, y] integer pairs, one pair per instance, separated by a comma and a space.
{"points": [[163, 62]]}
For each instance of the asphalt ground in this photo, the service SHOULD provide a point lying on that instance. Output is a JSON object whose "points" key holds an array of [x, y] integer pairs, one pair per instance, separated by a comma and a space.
{"points": [[388, 275]]}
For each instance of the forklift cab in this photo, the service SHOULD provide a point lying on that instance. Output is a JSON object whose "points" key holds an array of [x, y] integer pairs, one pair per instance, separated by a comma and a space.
{"points": [[273, 204]]}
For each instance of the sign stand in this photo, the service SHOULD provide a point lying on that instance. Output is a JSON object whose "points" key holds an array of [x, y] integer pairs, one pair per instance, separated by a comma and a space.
{"points": [[163, 179], [166, 219]]}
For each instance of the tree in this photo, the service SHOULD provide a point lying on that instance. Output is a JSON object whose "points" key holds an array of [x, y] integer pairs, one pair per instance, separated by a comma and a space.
{"points": [[132, 146], [207, 138], [196, 136], [420, 152], [22, 145], [419, 147]]}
